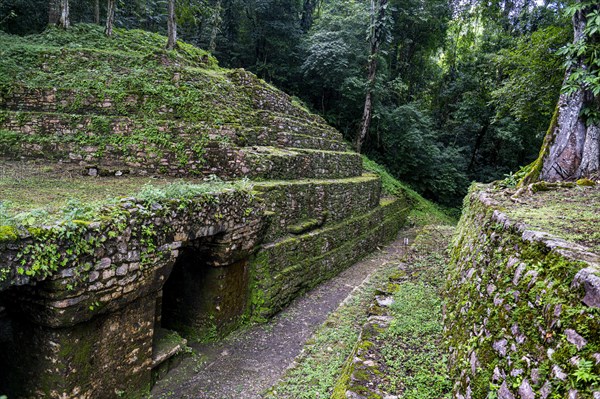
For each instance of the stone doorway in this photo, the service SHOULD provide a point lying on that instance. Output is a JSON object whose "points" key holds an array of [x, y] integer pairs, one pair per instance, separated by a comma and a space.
{"points": [[203, 299]]}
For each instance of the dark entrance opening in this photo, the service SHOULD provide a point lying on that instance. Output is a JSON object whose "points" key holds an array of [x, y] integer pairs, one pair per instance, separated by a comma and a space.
{"points": [[204, 298]]}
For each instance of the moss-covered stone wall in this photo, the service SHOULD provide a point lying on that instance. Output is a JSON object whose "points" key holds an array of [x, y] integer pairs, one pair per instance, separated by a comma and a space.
{"points": [[70, 282], [285, 268], [522, 318]]}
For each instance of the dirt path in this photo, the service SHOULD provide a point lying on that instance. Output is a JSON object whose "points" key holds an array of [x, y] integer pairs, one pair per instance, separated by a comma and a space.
{"points": [[250, 361]]}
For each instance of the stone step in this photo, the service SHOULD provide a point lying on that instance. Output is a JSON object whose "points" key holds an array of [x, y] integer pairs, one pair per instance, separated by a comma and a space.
{"points": [[295, 203], [42, 126], [301, 125], [120, 103], [169, 155], [166, 345], [285, 268], [283, 164]]}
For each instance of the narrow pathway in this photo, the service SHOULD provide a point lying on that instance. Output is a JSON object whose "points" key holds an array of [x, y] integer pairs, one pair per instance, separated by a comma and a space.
{"points": [[252, 360]]}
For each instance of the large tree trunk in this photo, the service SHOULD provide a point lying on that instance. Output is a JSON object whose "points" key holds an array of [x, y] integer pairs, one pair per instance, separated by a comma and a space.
{"points": [[58, 14], [110, 18], [376, 37], [97, 12], [171, 26], [215, 23], [64, 21], [53, 12], [307, 15], [571, 148]]}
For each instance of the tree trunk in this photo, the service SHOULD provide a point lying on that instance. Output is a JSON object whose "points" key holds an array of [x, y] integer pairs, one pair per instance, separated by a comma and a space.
{"points": [[307, 15], [97, 12], [171, 26], [54, 12], [571, 148], [58, 14], [110, 18], [215, 23], [376, 36], [65, 21], [368, 108]]}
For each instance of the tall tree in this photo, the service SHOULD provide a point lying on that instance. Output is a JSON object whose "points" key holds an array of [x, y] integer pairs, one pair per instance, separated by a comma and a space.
{"points": [[307, 15], [171, 26], [110, 18], [53, 12], [97, 12], [215, 26], [571, 148], [58, 13], [64, 21], [377, 33]]}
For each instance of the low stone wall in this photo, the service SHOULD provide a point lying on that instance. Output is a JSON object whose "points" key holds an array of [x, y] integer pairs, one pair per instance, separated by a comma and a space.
{"points": [[326, 202], [522, 316], [101, 145]]}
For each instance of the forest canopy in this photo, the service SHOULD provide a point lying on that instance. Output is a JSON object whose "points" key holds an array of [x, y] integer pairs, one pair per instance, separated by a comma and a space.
{"points": [[459, 90]]}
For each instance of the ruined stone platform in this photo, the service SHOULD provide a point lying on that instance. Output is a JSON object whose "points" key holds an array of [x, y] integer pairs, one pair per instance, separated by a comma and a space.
{"points": [[172, 195], [525, 288]]}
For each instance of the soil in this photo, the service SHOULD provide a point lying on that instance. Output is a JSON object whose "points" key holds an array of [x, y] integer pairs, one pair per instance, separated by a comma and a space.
{"points": [[251, 360]]}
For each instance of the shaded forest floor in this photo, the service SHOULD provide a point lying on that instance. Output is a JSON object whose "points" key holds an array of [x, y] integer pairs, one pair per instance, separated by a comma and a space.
{"points": [[310, 349]]}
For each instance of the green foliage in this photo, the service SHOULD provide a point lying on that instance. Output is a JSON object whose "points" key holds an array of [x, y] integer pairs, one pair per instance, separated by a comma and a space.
{"points": [[534, 77], [423, 212], [322, 360], [132, 72], [438, 170], [413, 347]]}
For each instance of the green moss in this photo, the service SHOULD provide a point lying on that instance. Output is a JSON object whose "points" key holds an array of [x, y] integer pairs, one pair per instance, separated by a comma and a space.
{"points": [[492, 255], [8, 233], [533, 171], [304, 227], [586, 183]]}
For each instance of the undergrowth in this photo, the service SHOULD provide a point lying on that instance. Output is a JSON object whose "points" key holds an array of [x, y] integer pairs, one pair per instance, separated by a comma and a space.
{"points": [[131, 72], [413, 348], [423, 212], [322, 360]]}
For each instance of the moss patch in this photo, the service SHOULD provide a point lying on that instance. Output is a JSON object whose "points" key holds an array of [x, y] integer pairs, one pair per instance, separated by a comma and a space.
{"points": [[572, 213]]}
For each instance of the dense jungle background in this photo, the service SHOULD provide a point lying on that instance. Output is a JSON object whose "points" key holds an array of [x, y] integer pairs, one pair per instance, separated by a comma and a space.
{"points": [[458, 90]]}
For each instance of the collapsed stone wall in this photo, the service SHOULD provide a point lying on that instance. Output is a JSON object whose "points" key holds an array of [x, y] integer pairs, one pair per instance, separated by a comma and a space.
{"points": [[522, 316]]}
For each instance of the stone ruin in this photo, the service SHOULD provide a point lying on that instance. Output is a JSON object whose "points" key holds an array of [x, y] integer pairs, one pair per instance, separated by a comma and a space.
{"points": [[88, 309]]}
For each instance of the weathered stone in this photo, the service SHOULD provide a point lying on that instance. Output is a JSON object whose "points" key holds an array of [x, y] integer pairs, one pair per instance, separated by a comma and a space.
{"points": [[500, 346], [576, 339], [558, 373], [525, 390], [546, 390], [504, 392]]}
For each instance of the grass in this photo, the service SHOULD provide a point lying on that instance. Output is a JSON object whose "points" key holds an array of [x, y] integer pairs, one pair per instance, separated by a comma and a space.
{"points": [[322, 360], [39, 200], [412, 347], [134, 64], [423, 212], [570, 213]]}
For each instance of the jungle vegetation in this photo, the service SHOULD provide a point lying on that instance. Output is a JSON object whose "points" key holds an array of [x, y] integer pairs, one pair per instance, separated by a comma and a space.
{"points": [[442, 92]]}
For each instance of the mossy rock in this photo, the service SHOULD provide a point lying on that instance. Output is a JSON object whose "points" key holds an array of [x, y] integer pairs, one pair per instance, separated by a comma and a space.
{"points": [[585, 182], [8, 234]]}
